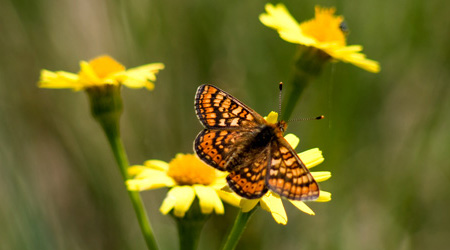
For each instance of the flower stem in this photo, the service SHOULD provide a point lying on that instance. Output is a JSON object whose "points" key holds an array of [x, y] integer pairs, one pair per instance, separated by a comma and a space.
{"points": [[238, 228], [112, 133], [190, 226], [106, 108]]}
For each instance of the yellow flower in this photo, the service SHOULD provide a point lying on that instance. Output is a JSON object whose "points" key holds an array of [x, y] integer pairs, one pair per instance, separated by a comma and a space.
{"points": [[100, 71], [323, 32], [271, 201], [187, 177]]}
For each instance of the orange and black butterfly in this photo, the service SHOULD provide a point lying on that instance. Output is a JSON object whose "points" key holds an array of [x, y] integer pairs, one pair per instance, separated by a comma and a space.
{"points": [[254, 152]]}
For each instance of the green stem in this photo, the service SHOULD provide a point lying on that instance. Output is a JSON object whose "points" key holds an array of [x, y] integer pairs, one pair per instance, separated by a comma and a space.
{"points": [[238, 228], [106, 108], [190, 226], [111, 128]]}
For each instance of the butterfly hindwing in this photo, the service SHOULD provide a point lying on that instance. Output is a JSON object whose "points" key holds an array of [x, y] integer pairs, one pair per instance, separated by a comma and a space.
{"points": [[288, 175], [249, 180], [217, 109]]}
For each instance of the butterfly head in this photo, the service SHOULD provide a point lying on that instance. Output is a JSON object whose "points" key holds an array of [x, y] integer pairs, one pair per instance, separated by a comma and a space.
{"points": [[282, 125]]}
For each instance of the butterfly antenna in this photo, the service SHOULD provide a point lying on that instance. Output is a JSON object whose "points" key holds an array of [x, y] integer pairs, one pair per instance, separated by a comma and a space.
{"points": [[307, 119], [280, 86]]}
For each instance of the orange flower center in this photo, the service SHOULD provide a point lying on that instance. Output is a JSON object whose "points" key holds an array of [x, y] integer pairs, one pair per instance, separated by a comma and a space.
{"points": [[189, 170], [105, 65], [325, 27]]}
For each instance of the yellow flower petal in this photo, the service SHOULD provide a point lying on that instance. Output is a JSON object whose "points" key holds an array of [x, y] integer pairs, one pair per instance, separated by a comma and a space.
{"points": [[142, 76], [303, 207], [350, 54], [247, 205], [142, 172], [208, 200], [149, 183], [292, 139], [179, 198], [273, 204], [157, 164], [312, 157], [58, 80], [229, 197], [279, 18], [320, 176], [135, 170], [272, 117], [219, 184], [87, 75], [324, 196]]}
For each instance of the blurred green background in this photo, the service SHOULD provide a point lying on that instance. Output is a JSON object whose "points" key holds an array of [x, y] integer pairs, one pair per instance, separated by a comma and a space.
{"points": [[385, 137]]}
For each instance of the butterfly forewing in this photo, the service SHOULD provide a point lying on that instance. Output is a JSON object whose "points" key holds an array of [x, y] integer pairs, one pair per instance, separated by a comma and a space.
{"points": [[288, 176], [217, 109]]}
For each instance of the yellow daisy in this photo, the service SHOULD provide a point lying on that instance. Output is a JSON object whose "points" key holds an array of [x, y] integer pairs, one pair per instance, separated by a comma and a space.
{"points": [[187, 177], [325, 32], [271, 201], [100, 71]]}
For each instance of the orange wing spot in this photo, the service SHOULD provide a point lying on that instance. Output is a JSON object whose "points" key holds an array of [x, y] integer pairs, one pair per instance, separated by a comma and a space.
{"points": [[280, 183], [260, 186], [250, 188], [314, 187], [209, 109], [305, 190], [212, 152], [287, 185], [211, 115], [243, 114], [207, 149], [226, 103], [236, 110], [208, 136], [284, 150], [305, 179], [293, 188], [218, 158], [205, 144]]}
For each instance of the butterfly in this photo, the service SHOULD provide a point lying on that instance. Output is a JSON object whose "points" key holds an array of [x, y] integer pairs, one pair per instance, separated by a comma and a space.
{"points": [[238, 140]]}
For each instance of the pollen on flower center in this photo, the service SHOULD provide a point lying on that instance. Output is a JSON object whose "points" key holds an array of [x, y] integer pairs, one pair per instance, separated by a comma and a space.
{"points": [[325, 27], [188, 170], [105, 65]]}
